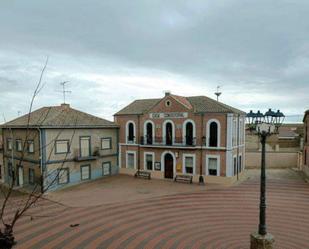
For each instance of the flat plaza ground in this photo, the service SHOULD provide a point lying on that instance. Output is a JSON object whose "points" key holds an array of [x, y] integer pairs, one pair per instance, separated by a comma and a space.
{"points": [[123, 212]]}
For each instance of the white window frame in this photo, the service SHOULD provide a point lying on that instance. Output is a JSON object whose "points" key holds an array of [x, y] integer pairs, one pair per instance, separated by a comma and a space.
{"points": [[218, 165], [153, 160], [127, 132], [184, 165], [208, 133], [235, 157], [184, 130], [131, 152]]}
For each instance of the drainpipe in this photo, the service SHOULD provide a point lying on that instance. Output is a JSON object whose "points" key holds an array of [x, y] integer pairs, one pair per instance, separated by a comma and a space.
{"points": [[138, 142]]}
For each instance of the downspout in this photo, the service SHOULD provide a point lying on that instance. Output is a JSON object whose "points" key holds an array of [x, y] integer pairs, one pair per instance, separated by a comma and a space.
{"points": [[138, 143], [201, 179]]}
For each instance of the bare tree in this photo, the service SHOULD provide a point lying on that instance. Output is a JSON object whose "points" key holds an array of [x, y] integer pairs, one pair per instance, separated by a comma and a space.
{"points": [[8, 221]]}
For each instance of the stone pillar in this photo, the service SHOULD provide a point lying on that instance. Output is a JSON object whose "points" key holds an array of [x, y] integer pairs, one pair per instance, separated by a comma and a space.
{"points": [[258, 241]]}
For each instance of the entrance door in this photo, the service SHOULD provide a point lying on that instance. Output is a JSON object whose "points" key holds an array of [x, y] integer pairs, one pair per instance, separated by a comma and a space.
{"points": [[168, 166], [169, 134], [20, 176]]}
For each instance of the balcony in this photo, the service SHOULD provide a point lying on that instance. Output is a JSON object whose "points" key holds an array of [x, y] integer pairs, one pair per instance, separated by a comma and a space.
{"points": [[79, 157], [162, 141]]}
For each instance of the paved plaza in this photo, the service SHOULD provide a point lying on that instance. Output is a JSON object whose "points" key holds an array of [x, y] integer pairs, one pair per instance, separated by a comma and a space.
{"points": [[183, 216]]}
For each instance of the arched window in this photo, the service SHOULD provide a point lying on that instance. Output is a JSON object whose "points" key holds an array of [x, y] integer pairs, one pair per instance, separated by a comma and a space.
{"points": [[149, 135], [169, 133], [189, 133], [213, 134], [130, 132]]}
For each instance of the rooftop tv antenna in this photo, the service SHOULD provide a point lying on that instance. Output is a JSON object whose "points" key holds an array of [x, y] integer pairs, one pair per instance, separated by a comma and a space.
{"points": [[218, 93], [63, 89]]}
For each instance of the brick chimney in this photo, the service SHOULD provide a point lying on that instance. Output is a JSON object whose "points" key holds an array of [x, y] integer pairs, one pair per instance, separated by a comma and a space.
{"points": [[167, 93], [65, 105]]}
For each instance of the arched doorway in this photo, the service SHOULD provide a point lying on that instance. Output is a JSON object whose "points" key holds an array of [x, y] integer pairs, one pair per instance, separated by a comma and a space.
{"points": [[168, 166], [189, 133], [169, 133], [149, 133]]}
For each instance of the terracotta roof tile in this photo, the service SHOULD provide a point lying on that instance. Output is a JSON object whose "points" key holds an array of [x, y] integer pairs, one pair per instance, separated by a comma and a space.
{"points": [[59, 116]]}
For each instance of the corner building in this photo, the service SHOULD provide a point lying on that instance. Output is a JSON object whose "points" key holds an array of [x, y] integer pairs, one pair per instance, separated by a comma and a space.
{"points": [[182, 135]]}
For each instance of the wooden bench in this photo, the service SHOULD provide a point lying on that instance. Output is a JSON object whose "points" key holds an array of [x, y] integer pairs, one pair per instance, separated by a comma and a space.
{"points": [[143, 174], [183, 178]]}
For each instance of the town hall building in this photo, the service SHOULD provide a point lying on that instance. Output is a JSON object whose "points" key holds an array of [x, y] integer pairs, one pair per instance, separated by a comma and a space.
{"points": [[177, 135]]}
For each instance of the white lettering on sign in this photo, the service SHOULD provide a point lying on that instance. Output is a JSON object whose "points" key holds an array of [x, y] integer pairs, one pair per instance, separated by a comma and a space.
{"points": [[169, 115]]}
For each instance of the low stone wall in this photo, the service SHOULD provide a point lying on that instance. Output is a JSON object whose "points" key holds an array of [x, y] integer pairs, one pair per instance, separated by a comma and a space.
{"points": [[274, 159]]}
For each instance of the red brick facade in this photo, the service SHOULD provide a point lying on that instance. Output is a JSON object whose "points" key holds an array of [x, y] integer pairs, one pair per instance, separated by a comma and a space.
{"points": [[199, 150]]}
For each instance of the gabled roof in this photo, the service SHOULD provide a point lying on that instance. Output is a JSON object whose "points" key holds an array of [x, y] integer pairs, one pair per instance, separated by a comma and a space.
{"points": [[59, 117], [198, 104]]}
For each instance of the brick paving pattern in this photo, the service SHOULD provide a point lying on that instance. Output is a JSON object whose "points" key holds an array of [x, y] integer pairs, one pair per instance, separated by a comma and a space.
{"points": [[215, 219]]}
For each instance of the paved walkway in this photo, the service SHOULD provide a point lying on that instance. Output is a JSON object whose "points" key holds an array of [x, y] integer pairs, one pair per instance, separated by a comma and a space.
{"points": [[219, 218]]}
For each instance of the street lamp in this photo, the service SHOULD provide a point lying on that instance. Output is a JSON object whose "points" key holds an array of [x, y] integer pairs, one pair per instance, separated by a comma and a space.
{"points": [[263, 125]]}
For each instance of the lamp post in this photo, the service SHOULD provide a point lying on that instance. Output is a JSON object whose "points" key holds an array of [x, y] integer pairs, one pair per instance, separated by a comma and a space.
{"points": [[263, 125]]}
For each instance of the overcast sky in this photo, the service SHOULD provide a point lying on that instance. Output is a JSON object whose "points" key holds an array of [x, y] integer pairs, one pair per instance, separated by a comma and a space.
{"points": [[113, 52]]}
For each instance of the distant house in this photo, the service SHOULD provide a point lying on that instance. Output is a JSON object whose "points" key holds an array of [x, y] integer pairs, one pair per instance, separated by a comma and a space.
{"points": [[306, 144], [60, 146], [283, 149], [174, 135]]}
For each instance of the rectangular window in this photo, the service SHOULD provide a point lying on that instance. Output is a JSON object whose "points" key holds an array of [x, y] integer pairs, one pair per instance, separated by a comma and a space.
{"points": [[106, 143], [85, 146], [235, 165], [85, 172], [212, 166], [189, 161], [62, 146], [30, 145], [106, 168], [31, 176], [63, 176], [239, 164], [10, 169], [149, 161], [130, 160], [18, 145], [9, 144]]}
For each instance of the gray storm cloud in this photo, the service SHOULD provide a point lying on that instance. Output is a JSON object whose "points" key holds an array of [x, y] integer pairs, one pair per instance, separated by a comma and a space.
{"points": [[115, 51]]}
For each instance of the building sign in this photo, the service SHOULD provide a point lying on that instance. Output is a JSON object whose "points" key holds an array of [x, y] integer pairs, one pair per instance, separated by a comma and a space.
{"points": [[169, 115], [157, 166]]}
